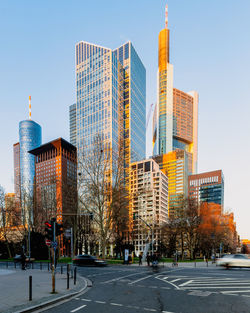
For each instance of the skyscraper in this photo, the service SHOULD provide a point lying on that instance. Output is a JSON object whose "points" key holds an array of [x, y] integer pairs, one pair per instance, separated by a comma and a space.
{"points": [[30, 137], [175, 122], [17, 176], [111, 100]]}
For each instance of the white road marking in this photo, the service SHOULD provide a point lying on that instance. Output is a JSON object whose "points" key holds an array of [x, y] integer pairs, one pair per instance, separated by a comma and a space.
{"points": [[135, 281], [77, 309], [229, 291], [101, 302], [117, 304], [246, 296], [166, 281], [172, 281], [165, 287], [212, 287], [133, 307], [166, 312], [86, 300], [186, 283], [119, 278], [151, 310]]}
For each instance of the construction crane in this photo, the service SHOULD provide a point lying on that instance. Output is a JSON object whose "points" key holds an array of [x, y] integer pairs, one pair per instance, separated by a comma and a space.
{"points": [[149, 114]]}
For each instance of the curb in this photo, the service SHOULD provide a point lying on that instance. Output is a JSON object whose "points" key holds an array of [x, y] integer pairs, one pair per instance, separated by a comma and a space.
{"points": [[87, 284]]}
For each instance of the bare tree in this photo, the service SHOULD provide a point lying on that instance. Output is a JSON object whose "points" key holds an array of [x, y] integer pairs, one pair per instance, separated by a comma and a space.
{"points": [[101, 190]]}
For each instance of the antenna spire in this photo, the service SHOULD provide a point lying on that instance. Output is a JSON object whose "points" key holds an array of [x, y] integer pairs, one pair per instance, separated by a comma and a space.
{"points": [[166, 16], [30, 107]]}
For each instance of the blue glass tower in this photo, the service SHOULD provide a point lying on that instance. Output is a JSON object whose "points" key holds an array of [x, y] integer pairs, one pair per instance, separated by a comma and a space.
{"points": [[30, 137]]}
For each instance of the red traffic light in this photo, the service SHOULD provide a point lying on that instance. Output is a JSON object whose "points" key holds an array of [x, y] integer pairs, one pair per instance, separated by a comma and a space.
{"points": [[48, 224]]}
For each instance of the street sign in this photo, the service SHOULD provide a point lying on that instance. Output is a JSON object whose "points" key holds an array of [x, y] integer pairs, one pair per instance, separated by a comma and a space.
{"points": [[48, 242], [53, 244], [67, 233]]}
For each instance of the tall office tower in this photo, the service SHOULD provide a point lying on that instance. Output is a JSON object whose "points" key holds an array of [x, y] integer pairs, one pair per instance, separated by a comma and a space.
{"points": [[134, 104], [207, 187], [110, 100], [30, 137], [185, 125], [17, 176], [149, 199], [175, 165], [165, 92], [175, 122], [56, 183], [72, 124]]}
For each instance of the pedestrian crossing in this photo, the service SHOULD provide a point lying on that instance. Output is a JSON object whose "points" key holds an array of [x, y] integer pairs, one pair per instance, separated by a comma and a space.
{"points": [[224, 285]]}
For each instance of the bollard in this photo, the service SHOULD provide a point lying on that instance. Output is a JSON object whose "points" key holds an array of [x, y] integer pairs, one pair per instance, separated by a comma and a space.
{"points": [[72, 271], [67, 280], [30, 288], [67, 268], [74, 275], [61, 269], [41, 266]]}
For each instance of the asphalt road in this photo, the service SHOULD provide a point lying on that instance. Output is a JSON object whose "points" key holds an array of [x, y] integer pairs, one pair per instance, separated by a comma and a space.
{"points": [[125, 289]]}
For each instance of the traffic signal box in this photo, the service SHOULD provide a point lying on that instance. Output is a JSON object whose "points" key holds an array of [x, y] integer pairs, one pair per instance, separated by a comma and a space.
{"points": [[49, 230]]}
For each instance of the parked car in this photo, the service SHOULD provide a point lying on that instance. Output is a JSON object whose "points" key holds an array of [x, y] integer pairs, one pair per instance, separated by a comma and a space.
{"points": [[88, 260], [234, 260]]}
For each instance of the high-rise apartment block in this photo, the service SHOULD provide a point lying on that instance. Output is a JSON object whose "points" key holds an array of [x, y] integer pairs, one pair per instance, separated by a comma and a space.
{"points": [[175, 122], [207, 187], [149, 202], [175, 165], [111, 101]]}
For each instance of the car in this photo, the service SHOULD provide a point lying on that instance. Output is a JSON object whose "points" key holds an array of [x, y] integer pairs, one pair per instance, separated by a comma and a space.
{"points": [[88, 260], [234, 260]]}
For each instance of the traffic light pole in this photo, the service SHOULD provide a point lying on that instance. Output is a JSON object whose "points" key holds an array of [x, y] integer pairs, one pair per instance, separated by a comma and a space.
{"points": [[54, 258]]}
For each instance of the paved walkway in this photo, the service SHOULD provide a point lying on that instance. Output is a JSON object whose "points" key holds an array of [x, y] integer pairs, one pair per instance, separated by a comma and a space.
{"points": [[14, 288]]}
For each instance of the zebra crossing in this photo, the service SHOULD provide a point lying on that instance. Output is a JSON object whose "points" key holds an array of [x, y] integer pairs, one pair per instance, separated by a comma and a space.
{"points": [[208, 285]]}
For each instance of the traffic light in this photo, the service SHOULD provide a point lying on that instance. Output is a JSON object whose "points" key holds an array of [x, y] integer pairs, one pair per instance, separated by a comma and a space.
{"points": [[49, 230], [59, 229]]}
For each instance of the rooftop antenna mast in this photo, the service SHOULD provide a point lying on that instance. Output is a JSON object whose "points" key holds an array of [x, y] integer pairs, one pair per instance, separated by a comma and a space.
{"points": [[30, 107], [166, 16]]}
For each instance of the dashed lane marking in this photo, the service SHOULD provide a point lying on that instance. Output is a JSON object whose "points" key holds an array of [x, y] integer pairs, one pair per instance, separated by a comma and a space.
{"points": [[151, 310], [79, 308], [117, 304], [86, 300], [101, 302]]}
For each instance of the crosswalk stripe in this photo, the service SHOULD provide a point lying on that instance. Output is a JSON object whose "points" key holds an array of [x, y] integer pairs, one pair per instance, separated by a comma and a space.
{"points": [[229, 291]]}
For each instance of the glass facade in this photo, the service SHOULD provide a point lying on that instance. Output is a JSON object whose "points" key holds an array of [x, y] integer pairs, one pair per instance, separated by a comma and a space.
{"points": [[30, 137], [72, 124], [134, 104], [214, 193], [111, 100]]}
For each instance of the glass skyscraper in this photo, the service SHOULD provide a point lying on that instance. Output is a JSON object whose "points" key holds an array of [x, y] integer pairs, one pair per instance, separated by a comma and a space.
{"points": [[30, 137], [111, 100]]}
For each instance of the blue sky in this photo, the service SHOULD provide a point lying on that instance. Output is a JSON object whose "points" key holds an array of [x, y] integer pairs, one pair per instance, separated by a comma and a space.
{"points": [[210, 49]]}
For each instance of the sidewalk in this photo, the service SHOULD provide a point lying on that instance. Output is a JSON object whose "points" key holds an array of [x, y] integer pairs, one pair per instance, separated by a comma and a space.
{"points": [[14, 288]]}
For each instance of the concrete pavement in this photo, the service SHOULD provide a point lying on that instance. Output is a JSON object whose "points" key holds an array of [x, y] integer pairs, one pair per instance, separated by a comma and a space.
{"points": [[14, 289]]}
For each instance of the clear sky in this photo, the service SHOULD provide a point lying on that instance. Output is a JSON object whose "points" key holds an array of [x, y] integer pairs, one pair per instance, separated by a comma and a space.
{"points": [[210, 51]]}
